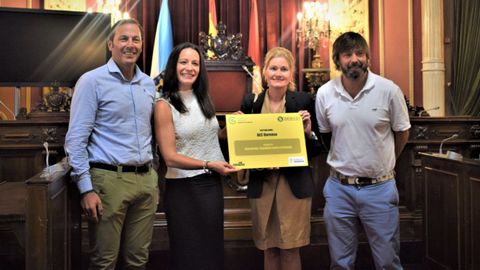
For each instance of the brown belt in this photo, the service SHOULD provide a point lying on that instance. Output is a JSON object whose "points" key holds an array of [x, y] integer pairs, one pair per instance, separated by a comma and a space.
{"points": [[357, 180]]}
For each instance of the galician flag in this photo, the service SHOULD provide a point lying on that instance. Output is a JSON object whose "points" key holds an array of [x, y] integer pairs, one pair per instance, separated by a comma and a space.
{"points": [[163, 41]]}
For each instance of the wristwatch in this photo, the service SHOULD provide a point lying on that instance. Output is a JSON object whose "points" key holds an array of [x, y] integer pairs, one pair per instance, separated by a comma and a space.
{"points": [[313, 136]]}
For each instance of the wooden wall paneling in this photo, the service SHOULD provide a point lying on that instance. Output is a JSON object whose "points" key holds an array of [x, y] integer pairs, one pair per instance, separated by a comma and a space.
{"points": [[48, 226], [16, 166], [442, 218], [320, 174], [452, 212], [12, 225], [426, 135], [406, 171], [21, 146], [38, 211], [473, 208], [75, 225], [228, 79]]}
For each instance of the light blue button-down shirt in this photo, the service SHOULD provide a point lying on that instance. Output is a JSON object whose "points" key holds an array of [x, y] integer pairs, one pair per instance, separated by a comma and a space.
{"points": [[110, 121]]}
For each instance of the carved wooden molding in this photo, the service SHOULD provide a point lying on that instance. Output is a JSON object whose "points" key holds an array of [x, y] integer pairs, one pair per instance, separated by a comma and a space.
{"points": [[475, 131], [49, 134]]}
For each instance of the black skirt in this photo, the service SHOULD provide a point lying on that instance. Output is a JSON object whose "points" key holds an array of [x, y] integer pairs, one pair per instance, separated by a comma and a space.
{"points": [[194, 211]]}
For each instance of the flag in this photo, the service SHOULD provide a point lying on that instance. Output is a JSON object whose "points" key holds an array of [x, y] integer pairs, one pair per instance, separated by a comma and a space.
{"points": [[212, 18], [212, 22], [163, 44], [254, 48]]}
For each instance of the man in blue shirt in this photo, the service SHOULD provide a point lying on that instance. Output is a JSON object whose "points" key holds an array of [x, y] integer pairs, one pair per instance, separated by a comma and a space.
{"points": [[110, 146]]}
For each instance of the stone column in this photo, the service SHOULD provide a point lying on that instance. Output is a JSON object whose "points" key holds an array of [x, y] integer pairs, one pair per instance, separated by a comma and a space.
{"points": [[433, 62]]}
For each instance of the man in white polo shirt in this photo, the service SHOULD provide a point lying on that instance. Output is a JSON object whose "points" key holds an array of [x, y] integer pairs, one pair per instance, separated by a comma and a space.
{"points": [[367, 118]]}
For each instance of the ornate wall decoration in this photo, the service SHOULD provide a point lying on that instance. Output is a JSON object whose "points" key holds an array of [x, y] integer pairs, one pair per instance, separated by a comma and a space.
{"points": [[316, 77], [347, 15], [420, 132], [224, 46], [49, 134], [55, 99], [475, 131], [73, 5]]}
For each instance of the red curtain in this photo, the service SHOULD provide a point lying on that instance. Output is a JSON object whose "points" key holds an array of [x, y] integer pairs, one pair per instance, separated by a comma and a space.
{"points": [[277, 23]]}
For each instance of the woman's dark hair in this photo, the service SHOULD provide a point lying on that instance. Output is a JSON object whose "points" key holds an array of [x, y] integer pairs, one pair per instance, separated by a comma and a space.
{"points": [[346, 42], [200, 86]]}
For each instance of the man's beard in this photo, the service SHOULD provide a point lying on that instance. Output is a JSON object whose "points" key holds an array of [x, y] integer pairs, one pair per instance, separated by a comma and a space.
{"points": [[355, 70]]}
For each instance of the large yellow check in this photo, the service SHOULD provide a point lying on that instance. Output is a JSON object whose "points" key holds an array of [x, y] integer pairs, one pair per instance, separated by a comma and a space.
{"points": [[266, 140]]}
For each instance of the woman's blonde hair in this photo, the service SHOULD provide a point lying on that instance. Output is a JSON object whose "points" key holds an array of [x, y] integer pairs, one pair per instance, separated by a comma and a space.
{"points": [[287, 55]]}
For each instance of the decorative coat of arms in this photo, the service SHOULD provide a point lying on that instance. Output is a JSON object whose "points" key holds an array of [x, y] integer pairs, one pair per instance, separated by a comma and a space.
{"points": [[221, 46]]}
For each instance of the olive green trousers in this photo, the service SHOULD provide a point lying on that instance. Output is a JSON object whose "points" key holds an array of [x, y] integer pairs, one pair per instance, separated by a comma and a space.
{"points": [[124, 231]]}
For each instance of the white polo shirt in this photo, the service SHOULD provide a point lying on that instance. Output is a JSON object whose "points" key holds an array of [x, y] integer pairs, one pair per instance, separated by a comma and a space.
{"points": [[362, 138]]}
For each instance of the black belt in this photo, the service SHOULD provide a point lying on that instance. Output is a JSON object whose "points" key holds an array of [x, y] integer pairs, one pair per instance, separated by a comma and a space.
{"points": [[121, 168]]}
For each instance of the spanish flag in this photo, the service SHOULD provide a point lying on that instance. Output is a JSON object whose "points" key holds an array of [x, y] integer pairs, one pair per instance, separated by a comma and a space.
{"points": [[212, 22], [254, 48]]}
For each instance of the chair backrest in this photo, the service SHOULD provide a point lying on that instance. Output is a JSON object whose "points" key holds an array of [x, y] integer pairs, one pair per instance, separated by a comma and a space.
{"points": [[229, 83]]}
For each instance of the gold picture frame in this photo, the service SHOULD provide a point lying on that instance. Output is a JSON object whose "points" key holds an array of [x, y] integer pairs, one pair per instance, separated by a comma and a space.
{"points": [[70, 5]]}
